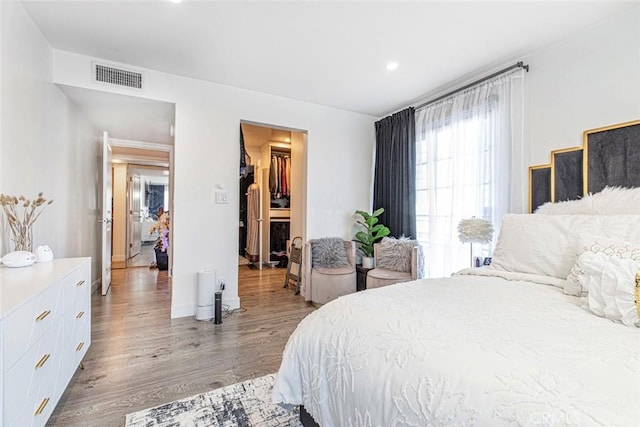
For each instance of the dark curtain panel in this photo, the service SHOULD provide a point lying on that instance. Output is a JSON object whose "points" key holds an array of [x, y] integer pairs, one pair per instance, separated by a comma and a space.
{"points": [[156, 199], [394, 184]]}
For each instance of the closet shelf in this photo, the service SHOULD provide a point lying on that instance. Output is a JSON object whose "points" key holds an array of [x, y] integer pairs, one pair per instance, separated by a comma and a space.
{"points": [[280, 213]]}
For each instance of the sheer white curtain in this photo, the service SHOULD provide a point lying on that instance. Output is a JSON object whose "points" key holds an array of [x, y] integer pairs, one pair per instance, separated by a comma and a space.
{"points": [[469, 163]]}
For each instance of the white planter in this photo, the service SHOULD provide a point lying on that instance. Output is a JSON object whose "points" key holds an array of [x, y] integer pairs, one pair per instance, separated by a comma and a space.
{"points": [[367, 262]]}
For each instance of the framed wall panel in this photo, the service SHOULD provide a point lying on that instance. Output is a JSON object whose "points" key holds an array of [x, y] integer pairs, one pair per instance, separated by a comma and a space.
{"points": [[567, 182], [612, 156], [539, 186]]}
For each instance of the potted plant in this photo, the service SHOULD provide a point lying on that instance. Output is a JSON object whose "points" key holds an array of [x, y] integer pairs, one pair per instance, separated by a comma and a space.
{"points": [[371, 231]]}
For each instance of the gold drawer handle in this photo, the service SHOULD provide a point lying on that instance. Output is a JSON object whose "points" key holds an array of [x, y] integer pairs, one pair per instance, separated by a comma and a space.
{"points": [[42, 405], [79, 347], [80, 283], [42, 361], [79, 315], [43, 315]]}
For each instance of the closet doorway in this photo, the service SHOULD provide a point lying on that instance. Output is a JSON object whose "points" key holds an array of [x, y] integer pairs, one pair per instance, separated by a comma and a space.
{"points": [[272, 202]]}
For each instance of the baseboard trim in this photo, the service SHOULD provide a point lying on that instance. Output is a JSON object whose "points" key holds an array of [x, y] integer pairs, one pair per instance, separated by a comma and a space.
{"points": [[95, 285], [118, 265]]}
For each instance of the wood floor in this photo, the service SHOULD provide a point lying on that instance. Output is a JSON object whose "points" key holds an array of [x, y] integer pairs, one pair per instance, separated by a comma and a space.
{"points": [[140, 358], [144, 258]]}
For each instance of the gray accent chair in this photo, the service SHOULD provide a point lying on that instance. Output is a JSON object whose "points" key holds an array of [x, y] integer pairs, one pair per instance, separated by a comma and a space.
{"points": [[321, 285], [379, 277]]}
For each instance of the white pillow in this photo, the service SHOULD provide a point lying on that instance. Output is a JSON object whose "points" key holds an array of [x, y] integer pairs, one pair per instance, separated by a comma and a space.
{"points": [[611, 282], [535, 244], [546, 244], [595, 244], [609, 201]]}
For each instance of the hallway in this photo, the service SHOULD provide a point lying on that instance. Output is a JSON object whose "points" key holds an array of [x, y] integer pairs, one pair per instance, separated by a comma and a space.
{"points": [[140, 358], [145, 258]]}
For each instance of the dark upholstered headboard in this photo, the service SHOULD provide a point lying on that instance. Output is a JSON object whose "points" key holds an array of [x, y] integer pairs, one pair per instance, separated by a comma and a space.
{"points": [[609, 156], [612, 157]]}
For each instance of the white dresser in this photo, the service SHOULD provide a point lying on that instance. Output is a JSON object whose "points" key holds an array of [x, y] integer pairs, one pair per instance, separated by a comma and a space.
{"points": [[45, 320]]}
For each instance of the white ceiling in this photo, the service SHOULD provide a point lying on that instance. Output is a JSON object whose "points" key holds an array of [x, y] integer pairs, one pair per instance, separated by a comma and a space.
{"points": [[327, 52]]}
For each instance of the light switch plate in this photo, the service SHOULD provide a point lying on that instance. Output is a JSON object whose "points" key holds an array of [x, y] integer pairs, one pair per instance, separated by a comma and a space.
{"points": [[222, 197]]}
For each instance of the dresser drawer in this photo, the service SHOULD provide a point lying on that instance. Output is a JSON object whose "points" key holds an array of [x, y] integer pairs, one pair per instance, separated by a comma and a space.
{"points": [[76, 324], [80, 314], [81, 343], [39, 404], [30, 378], [77, 284], [27, 324]]}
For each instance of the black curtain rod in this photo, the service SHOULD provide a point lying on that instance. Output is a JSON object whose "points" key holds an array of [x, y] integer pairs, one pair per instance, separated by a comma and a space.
{"points": [[484, 79]]}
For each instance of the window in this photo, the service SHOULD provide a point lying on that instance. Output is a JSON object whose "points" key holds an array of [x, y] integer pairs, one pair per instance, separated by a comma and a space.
{"points": [[464, 161]]}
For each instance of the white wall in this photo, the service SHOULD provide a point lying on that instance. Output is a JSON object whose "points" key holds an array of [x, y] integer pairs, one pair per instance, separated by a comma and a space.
{"points": [[589, 80], [47, 145], [205, 234]]}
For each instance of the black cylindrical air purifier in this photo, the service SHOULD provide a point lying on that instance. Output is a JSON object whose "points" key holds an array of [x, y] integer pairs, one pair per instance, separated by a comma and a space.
{"points": [[218, 308]]}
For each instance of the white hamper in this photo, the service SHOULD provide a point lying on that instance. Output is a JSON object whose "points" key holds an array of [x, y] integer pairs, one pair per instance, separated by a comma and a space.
{"points": [[204, 294]]}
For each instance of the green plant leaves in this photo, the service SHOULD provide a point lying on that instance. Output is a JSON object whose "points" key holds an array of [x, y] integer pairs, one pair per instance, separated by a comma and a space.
{"points": [[372, 230]]}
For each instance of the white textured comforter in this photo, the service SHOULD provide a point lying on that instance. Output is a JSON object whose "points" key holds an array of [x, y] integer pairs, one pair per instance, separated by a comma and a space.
{"points": [[467, 350]]}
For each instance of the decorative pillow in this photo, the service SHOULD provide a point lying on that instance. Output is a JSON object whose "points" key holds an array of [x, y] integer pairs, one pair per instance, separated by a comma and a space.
{"points": [[395, 254], [546, 244], [328, 252], [609, 201], [608, 247], [535, 244], [612, 283]]}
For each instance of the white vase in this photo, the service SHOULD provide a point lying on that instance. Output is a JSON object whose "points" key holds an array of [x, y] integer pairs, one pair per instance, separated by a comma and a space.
{"points": [[367, 262]]}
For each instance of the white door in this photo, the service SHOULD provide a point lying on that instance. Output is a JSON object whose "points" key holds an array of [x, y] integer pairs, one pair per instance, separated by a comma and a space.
{"points": [[107, 203], [135, 219]]}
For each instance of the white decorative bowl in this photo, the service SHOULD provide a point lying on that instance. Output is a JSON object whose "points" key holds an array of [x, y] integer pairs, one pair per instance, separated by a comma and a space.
{"points": [[19, 259]]}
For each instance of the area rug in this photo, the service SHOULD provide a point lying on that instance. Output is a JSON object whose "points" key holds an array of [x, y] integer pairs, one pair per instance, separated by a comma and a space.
{"points": [[243, 404]]}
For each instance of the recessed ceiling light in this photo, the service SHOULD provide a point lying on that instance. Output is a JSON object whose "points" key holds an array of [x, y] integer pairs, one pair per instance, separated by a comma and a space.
{"points": [[392, 66], [175, 1]]}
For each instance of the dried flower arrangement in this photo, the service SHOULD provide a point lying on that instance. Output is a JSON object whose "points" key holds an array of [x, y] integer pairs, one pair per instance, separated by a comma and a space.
{"points": [[162, 227], [21, 214]]}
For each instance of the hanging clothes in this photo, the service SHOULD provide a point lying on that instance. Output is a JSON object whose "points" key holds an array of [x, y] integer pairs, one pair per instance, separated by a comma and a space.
{"points": [[280, 176], [288, 176], [279, 234], [253, 224], [245, 159], [285, 182], [273, 168]]}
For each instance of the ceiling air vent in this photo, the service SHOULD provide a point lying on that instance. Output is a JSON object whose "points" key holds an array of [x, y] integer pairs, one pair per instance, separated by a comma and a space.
{"points": [[117, 76]]}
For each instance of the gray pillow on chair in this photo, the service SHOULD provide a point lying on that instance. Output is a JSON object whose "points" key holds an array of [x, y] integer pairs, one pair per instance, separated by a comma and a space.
{"points": [[328, 252], [395, 254]]}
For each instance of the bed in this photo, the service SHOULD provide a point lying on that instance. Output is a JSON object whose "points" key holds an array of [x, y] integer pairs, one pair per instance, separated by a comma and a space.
{"points": [[498, 345]]}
